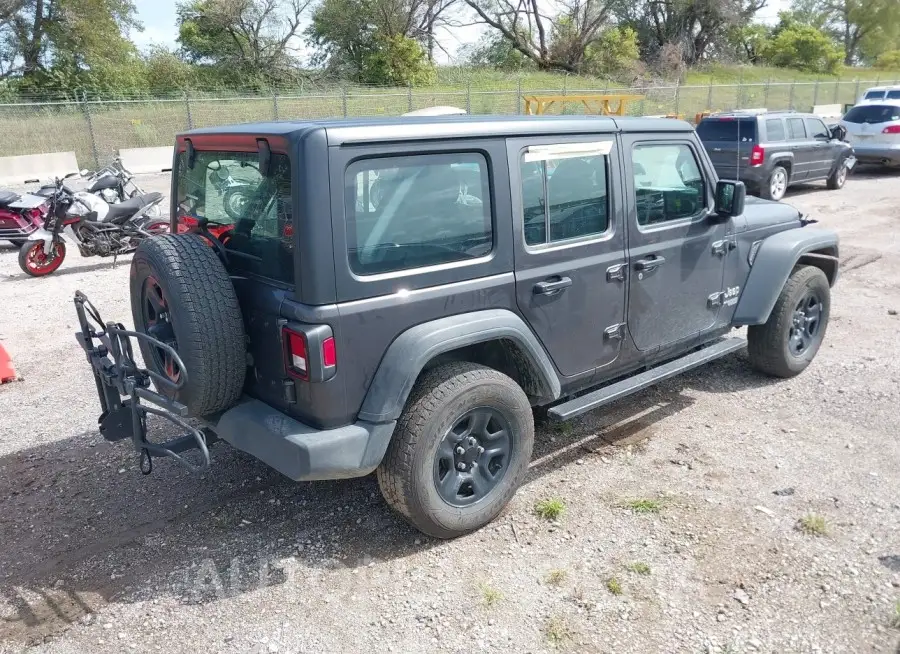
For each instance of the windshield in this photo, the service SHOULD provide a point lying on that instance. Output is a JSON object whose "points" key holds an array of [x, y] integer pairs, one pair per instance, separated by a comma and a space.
{"points": [[250, 214], [727, 129], [873, 113]]}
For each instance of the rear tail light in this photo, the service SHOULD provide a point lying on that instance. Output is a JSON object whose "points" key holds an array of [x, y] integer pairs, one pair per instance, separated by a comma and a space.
{"points": [[757, 155], [891, 129], [295, 354]]}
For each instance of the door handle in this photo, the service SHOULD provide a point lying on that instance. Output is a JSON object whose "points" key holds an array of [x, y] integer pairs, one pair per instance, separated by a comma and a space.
{"points": [[650, 263], [552, 288]]}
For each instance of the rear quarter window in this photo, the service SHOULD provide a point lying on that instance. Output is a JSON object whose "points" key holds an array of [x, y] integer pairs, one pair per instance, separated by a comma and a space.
{"points": [[873, 113], [727, 129]]}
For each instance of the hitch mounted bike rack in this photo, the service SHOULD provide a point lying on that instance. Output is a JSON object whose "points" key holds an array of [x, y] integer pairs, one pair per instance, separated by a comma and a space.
{"points": [[122, 385]]}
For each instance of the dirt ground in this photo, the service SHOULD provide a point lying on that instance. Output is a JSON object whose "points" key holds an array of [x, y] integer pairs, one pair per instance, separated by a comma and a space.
{"points": [[680, 530]]}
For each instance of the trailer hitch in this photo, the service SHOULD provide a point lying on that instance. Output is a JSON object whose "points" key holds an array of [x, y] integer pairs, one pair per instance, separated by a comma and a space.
{"points": [[122, 386]]}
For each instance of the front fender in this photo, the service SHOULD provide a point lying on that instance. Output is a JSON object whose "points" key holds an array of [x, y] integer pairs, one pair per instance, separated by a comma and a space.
{"points": [[44, 235], [410, 352], [775, 259]]}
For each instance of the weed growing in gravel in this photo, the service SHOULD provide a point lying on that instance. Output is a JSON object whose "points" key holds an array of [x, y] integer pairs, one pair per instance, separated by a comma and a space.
{"points": [[638, 567], [563, 428], [894, 622], [644, 506], [556, 577], [557, 631], [550, 509], [490, 595], [813, 525], [613, 586]]}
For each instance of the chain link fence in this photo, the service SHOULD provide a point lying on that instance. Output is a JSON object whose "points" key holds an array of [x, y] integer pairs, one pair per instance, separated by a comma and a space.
{"points": [[95, 129]]}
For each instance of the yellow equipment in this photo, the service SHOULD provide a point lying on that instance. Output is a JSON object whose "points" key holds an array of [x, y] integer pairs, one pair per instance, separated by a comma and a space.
{"points": [[536, 105]]}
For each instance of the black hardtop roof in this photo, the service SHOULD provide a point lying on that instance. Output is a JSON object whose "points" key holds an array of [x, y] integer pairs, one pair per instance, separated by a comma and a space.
{"points": [[400, 128]]}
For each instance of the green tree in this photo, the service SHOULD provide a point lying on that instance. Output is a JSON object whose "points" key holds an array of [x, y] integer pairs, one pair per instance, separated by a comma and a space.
{"points": [[888, 60], [494, 51], [396, 60], [803, 47], [864, 28], [614, 53]]}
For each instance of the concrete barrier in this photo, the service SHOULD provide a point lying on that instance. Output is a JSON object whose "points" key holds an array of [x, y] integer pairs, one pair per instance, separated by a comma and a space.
{"points": [[17, 170], [147, 160], [828, 110]]}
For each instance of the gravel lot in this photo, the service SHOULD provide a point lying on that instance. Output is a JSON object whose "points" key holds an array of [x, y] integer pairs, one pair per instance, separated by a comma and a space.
{"points": [[95, 557]]}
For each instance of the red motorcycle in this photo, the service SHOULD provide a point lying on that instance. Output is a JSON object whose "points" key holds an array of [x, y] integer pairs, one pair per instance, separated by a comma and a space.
{"points": [[21, 216]]}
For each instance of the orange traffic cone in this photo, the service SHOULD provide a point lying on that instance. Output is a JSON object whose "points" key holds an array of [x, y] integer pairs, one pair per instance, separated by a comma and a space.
{"points": [[7, 371]]}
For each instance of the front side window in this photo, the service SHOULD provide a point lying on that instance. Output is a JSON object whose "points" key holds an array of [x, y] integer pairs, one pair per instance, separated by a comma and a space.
{"points": [[796, 131], [668, 183], [410, 212], [816, 128], [250, 213], [564, 197]]}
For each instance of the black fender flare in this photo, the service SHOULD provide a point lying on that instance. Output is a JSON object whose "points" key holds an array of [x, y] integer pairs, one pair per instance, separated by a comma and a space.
{"points": [[775, 259], [411, 351]]}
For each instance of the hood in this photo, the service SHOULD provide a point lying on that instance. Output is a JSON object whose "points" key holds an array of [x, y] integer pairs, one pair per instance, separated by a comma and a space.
{"points": [[759, 213]]}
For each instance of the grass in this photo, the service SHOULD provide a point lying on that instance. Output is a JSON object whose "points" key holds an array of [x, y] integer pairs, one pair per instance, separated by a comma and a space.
{"points": [[30, 128], [490, 595], [557, 631], [614, 586], [550, 509], [639, 567], [813, 525], [556, 577], [644, 506]]}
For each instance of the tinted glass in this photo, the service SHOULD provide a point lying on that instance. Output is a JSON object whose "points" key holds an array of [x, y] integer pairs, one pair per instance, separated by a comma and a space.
{"points": [[893, 95], [668, 183], [569, 194], [816, 128], [410, 212], [795, 128], [727, 129], [774, 129], [227, 188], [874, 95], [873, 113]]}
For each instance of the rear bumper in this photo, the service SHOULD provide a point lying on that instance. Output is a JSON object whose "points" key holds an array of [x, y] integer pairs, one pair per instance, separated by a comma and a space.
{"points": [[301, 452], [752, 176], [877, 154]]}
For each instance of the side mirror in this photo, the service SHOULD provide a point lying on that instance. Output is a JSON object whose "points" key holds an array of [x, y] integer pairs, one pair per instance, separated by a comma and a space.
{"points": [[839, 132], [730, 198]]}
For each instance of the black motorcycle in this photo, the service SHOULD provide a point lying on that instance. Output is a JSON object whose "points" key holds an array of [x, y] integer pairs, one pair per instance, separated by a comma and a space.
{"points": [[88, 221]]}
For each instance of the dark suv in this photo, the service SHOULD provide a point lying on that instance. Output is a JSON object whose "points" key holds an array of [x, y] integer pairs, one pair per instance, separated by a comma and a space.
{"points": [[399, 295], [771, 151]]}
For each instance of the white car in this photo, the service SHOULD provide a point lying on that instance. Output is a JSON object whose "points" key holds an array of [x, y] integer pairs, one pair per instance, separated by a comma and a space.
{"points": [[879, 93], [873, 129]]}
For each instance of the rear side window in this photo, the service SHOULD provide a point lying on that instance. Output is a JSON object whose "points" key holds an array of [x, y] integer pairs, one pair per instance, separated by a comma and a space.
{"points": [[795, 128], [253, 212], [727, 129], [874, 95], [816, 128], [873, 113], [774, 129], [416, 211], [564, 198]]}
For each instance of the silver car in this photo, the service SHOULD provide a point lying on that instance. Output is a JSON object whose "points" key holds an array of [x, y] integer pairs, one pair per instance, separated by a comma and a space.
{"points": [[873, 129]]}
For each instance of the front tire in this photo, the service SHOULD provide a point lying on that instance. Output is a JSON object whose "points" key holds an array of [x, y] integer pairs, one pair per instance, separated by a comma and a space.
{"points": [[36, 263], [776, 185], [838, 178], [789, 340], [460, 450]]}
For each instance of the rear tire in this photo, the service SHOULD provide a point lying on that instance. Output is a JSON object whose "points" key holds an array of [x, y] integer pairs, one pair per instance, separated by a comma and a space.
{"points": [[182, 295], [776, 185], [774, 347], [440, 419]]}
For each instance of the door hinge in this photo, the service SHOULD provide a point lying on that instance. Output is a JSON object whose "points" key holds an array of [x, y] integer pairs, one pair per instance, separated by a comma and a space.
{"points": [[616, 273], [716, 299], [614, 331]]}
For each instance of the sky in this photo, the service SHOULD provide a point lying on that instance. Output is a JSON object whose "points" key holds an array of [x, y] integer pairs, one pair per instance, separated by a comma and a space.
{"points": [[158, 17]]}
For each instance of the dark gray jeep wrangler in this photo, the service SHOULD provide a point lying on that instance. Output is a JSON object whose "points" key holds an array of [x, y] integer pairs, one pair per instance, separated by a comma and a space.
{"points": [[398, 295]]}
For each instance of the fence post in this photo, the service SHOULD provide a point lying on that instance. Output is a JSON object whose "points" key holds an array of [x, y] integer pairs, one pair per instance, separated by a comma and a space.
{"points": [[565, 90], [816, 93], [275, 104], [90, 125], [409, 98], [469, 96], [344, 100], [187, 108], [677, 96], [519, 95], [791, 97], [709, 97], [837, 89], [740, 93], [766, 93], [856, 92]]}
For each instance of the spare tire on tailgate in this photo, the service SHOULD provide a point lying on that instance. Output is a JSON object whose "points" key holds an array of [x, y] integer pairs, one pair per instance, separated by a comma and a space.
{"points": [[181, 294]]}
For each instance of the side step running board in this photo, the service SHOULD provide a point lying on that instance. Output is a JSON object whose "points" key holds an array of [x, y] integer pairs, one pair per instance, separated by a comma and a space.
{"points": [[613, 392]]}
